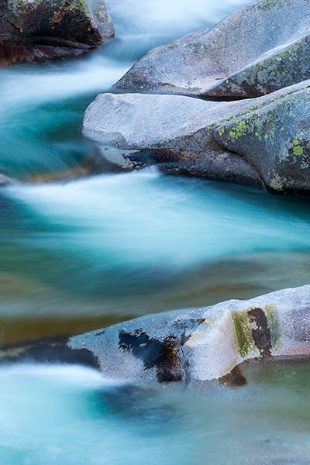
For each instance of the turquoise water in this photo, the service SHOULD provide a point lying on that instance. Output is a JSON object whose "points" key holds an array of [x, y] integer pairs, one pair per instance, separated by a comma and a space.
{"points": [[71, 415], [80, 252]]}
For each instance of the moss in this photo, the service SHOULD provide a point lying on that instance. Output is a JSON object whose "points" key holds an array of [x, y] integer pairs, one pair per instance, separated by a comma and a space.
{"points": [[243, 332]]}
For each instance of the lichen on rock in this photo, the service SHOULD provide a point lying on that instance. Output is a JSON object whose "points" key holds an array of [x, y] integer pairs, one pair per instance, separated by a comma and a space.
{"points": [[203, 344], [244, 56]]}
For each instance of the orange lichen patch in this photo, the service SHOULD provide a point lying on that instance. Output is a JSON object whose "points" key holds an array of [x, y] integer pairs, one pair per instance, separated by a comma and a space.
{"points": [[58, 16]]}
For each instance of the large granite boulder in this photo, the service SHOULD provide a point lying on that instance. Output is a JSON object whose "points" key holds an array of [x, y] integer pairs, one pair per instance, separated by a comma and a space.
{"points": [[36, 30], [203, 344], [191, 345], [257, 50], [255, 141]]}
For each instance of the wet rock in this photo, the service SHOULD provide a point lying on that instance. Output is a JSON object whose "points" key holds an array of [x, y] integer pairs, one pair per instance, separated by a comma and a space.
{"points": [[256, 50], [51, 29], [262, 141], [204, 344]]}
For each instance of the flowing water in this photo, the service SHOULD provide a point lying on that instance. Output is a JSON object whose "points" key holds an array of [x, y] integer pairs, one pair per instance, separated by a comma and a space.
{"points": [[71, 415], [79, 253]]}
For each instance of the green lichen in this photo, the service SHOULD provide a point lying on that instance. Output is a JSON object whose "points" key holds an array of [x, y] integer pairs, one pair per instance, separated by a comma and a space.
{"points": [[269, 4], [297, 148], [271, 313], [298, 151], [243, 332], [239, 130]]}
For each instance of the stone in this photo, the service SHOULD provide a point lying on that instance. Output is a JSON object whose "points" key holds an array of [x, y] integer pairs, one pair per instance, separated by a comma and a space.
{"points": [[255, 51], [4, 180], [261, 141], [37, 30], [177, 133], [203, 344], [199, 345], [275, 140]]}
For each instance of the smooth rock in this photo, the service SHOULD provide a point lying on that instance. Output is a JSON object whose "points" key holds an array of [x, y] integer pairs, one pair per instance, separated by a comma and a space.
{"points": [[37, 30], [203, 344], [256, 50], [254, 141], [176, 131]]}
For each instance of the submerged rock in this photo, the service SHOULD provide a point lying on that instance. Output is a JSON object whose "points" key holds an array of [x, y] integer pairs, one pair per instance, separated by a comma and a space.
{"points": [[256, 50], [204, 344], [4, 180], [254, 141], [51, 29]]}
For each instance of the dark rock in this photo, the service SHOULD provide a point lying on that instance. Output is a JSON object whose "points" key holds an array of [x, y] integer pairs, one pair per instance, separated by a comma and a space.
{"points": [[257, 50], [51, 29]]}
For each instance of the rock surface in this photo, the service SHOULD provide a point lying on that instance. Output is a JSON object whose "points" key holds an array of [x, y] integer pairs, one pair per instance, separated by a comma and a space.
{"points": [[4, 180], [256, 50], [275, 140], [37, 30], [192, 345], [254, 141], [203, 344]]}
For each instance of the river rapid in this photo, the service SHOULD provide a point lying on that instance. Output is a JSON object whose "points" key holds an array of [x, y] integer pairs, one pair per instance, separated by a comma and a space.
{"points": [[78, 253]]}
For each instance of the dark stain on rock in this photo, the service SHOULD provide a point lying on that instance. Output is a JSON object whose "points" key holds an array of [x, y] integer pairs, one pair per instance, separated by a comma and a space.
{"points": [[162, 355], [261, 332], [234, 379], [51, 351], [100, 333]]}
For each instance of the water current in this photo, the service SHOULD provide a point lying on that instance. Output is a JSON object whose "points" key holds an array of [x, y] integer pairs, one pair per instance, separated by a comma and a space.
{"points": [[79, 253]]}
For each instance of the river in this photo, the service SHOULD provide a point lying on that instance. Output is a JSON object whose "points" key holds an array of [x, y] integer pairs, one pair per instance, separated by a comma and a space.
{"points": [[78, 253]]}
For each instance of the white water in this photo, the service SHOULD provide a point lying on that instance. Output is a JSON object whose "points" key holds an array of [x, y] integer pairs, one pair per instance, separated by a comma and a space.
{"points": [[143, 221]]}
